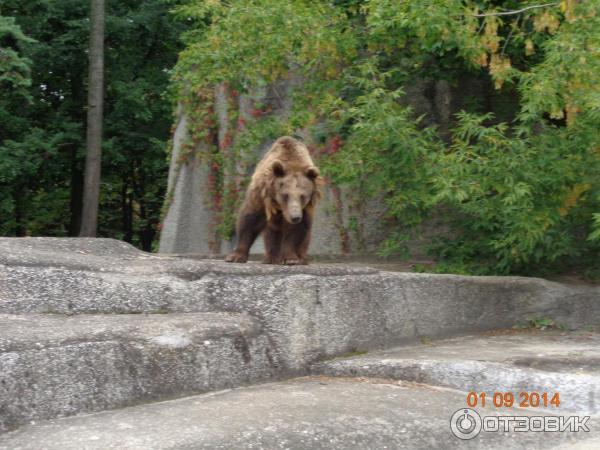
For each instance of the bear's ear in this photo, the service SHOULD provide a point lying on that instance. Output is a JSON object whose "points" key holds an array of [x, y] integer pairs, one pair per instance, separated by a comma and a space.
{"points": [[278, 169], [312, 172]]}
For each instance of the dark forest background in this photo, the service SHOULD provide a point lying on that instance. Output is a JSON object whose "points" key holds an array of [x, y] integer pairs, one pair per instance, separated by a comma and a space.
{"points": [[42, 122]]}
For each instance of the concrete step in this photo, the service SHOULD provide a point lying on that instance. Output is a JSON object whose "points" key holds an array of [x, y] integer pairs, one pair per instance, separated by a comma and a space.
{"points": [[308, 413], [54, 366], [567, 363]]}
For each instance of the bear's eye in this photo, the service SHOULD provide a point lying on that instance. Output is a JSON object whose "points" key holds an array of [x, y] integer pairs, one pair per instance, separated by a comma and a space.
{"points": [[302, 198], [286, 197]]}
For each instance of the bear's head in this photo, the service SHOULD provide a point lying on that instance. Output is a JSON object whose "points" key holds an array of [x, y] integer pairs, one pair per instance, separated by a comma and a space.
{"points": [[294, 191]]}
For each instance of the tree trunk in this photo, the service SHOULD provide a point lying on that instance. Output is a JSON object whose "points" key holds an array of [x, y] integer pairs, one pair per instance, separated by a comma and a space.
{"points": [[127, 210], [91, 189], [19, 199], [147, 231], [76, 195]]}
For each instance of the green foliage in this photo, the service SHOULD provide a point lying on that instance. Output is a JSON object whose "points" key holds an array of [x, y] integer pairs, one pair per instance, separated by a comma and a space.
{"points": [[519, 197], [258, 41], [445, 30], [595, 234], [395, 245], [539, 323], [567, 79], [14, 68], [385, 148]]}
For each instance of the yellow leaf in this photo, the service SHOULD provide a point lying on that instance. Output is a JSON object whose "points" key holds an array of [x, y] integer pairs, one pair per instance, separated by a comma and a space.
{"points": [[498, 66], [572, 112], [529, 47], [545, 21], [572, 197], [482, 59], [563, 6]]}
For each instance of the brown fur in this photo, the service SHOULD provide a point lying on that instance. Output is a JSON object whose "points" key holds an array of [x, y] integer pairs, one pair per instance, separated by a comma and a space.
{"points": [[280, 201]]}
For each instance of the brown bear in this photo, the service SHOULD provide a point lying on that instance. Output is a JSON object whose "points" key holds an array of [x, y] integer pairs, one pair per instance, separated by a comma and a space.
{"points": [[280, 201]]}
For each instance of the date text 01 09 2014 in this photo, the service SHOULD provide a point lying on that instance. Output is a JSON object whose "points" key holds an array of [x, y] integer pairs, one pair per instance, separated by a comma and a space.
{"points": [[509, 399]]}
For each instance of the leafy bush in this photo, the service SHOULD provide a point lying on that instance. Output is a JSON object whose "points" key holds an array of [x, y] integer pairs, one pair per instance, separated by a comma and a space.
{"points": [[519, 200]]}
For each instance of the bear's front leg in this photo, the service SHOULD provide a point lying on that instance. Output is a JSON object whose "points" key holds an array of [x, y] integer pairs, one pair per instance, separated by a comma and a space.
{"points": [[272, 238], [250, 225], [296, 241]]}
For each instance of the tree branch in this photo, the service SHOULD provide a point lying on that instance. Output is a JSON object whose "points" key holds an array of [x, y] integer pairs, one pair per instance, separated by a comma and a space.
{"points": [[518, 11]]}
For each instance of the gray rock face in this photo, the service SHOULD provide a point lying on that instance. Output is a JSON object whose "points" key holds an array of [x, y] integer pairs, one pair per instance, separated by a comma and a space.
{"points": [[187, 224], [313, 413]]}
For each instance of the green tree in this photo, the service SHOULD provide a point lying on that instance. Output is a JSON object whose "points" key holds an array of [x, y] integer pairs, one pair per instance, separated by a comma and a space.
{"points": [[42, 144], [14, 68]]}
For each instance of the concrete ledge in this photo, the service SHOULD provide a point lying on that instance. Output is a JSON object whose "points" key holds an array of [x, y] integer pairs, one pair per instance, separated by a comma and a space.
{"points": [[54, 366]]}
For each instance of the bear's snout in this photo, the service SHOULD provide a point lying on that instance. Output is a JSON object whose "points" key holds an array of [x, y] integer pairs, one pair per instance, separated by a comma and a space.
{"points": [[294, 212]]}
